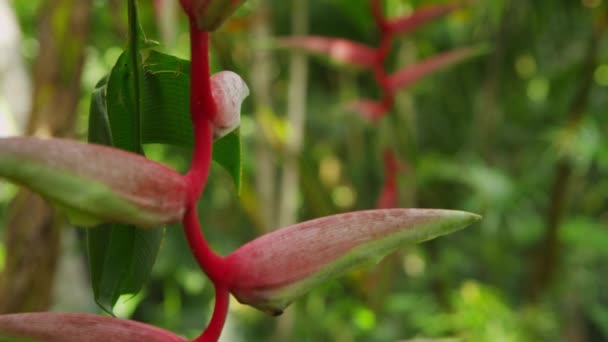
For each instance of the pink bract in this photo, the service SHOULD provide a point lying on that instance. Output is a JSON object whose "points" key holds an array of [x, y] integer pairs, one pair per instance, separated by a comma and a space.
{"points": [[80, 327]]}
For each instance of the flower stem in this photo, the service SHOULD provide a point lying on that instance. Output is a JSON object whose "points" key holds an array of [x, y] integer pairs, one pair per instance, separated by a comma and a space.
{"points": [[220, 311], [202, 110], [210, 262], [135, 60], [378, 14]]}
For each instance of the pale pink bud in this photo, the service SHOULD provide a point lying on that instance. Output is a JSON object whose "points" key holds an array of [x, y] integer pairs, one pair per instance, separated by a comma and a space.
{"points": [[228, 90]]}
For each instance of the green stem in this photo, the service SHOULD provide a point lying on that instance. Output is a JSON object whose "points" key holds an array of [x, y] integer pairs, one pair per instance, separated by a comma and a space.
{"points": [[135, 59]]}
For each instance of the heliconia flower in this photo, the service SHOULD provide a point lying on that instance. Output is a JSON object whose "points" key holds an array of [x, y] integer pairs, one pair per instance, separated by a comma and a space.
{"points": [[420, 17], [95, 183], [228, 90], [339, 50], [78, 327], [211, 14], [368, 109], [416, 71], [271, 271]]}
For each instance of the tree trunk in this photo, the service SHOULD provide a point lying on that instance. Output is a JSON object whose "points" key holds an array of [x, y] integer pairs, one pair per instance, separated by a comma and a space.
{"points": [[547, 261], [296, 115], [265, 173], [32, 232]]}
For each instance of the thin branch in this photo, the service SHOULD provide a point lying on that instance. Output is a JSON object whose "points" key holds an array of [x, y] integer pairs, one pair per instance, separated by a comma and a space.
{"points": [[133, 48], [220, 311]]}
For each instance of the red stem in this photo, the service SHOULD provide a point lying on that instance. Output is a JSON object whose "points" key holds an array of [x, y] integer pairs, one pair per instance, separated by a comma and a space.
{"points": [[220, 311], [378, 14], [210, 262], [187, 5], [202, 110], [213, 265], [386, 39], [201, 159]]}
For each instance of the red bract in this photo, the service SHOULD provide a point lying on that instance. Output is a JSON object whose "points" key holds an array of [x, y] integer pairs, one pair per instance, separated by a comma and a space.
{"points": [[339, 50], [368, 109], [79, 327], [353, 53], [272, 270], [414, 72], [388, 196], [420, 17], [96, 183], [357, 54]]}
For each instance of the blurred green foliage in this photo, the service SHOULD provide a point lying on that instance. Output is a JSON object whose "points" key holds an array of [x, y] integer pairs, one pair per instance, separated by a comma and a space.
{"points": [[484, 136]]}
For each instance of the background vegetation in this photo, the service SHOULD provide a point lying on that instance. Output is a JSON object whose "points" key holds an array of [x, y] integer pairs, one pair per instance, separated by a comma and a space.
{"points": [[517, 135]]}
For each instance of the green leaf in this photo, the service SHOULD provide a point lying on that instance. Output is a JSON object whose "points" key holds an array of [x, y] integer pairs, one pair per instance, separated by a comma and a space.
{"points": [[166, 111], [166, 101], [227, 152], [121, 106], [121, 259], [121, 256], [9, 338], [99, 125]]}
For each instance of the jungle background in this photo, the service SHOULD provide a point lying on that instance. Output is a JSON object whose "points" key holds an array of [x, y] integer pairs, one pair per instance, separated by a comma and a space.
{"points": [[517, 135]]}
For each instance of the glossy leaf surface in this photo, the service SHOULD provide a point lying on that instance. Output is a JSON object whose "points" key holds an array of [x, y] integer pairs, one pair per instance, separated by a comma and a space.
{"points": [[166, 111], [120, 255]]}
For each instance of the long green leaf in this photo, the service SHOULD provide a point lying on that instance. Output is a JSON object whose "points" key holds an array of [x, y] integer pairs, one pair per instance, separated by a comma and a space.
{"points": [[121, 105], [121, 256]]}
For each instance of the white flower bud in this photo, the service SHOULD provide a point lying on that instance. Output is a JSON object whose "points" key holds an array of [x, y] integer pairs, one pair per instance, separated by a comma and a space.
{"points": [[228, 90]]}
